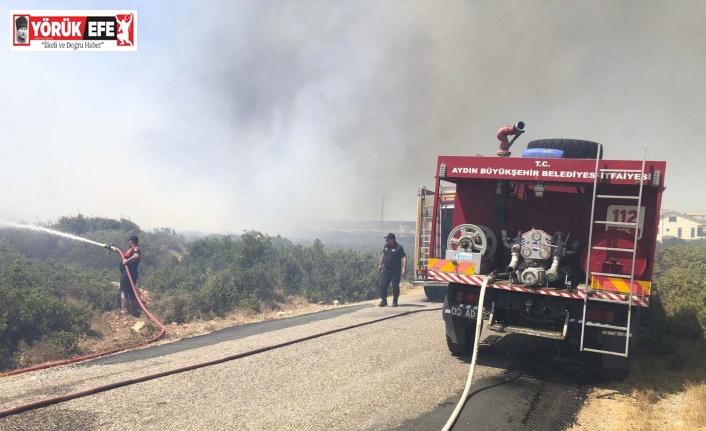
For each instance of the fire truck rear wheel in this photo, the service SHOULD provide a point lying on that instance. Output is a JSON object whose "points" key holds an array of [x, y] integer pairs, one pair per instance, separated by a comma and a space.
{"points": [[614, 368], [467, 348], [435, 293], [572, 148]]}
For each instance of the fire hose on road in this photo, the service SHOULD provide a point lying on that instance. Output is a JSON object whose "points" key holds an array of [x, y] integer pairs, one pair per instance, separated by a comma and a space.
{"points": [[479, 323]]}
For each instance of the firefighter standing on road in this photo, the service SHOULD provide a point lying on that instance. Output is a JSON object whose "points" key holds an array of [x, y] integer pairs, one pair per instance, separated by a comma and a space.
{"points": [[393, 262]]}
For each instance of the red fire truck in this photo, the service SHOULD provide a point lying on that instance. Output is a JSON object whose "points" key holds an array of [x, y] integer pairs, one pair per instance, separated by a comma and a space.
{"points": [[565, 238]]}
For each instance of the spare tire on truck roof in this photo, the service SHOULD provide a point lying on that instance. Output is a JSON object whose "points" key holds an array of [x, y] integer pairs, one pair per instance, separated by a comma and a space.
{"points": [[572, 148]]}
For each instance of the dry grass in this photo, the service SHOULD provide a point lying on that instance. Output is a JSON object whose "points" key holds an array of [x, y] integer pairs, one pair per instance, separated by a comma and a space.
{"points": [[38, 353], [669, 393], [695, 416], [665, 393]]}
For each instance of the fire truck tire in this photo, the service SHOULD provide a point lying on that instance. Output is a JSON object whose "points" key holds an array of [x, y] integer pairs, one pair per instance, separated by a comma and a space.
{"points": [[463, 349], [435, 293], [572, 148], [614, 368]]}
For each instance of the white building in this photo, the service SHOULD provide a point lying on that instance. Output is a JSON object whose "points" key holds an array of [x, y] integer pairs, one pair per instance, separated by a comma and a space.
{"points": [[686, 226]]}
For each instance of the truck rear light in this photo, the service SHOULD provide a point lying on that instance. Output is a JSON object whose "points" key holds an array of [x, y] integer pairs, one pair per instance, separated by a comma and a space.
{"points": [[656, 178], [466, 297], [601, 316], [539, 190]]}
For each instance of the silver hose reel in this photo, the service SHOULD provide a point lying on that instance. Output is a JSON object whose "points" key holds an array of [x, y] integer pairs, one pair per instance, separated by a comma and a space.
{"points": [[472, 238]]}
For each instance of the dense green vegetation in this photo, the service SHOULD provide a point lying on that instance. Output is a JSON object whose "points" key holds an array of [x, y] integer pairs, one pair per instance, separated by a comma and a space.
{"points": [[678, 302], [51, 287], [218, 275]]}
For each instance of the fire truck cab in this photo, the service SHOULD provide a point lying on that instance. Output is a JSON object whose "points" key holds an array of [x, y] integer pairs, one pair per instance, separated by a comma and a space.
{"points": [[565, 245]]}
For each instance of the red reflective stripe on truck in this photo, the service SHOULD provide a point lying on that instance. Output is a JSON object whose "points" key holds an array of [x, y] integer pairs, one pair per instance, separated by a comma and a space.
{"points": [[477, 280]]}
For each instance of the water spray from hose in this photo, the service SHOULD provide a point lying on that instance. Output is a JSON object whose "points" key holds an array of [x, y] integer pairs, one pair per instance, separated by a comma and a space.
{"points": [[52, 232]]}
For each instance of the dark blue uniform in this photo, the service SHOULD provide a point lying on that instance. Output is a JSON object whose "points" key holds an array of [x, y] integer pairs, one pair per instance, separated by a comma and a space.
{"points": [[391, 271], [125, 285]]}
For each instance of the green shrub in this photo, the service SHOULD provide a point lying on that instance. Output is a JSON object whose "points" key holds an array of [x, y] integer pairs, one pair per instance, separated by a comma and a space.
{"points": [[678, 302], [179, 307]]}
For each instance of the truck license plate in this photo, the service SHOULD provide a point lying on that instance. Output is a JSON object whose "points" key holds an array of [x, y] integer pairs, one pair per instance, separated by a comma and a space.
{"points": [[468, 313]]}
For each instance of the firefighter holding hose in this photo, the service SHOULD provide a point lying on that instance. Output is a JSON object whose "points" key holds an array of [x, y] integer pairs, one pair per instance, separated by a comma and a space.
{"points": [[128, 270]]}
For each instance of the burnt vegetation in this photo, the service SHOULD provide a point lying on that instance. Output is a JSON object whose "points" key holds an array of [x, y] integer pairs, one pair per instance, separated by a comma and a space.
{"points": [[52, 287]]}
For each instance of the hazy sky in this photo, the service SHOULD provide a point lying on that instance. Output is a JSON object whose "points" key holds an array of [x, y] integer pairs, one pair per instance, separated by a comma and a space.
{"points": [[270, 115]]}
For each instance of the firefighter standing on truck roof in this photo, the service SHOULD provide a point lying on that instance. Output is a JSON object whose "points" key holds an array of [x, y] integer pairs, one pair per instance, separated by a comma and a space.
{"points": [[393, 262]]}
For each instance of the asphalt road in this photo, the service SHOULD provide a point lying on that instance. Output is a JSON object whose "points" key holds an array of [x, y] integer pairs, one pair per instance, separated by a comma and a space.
{"points": [[392, 375]]}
